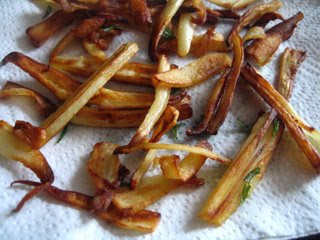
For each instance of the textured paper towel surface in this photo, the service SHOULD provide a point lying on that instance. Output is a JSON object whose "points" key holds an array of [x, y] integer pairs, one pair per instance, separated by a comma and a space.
{"points": [[286, 202]]}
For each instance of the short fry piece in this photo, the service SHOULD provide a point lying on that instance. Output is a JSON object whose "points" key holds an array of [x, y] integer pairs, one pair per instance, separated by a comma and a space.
{"points": [[262, 50], [255, 32], [193, 73], [185, 34], [82, 95]]}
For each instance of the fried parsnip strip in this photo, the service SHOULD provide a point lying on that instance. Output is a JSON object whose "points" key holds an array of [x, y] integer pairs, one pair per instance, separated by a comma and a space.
{"points": [[63, 44], [169, 166], [134, 73], [174, 147], [40, 32], [200, 14], [29, 134], [186, 30], [212, 105], [255, 32], [304, 135], [62, 86], [143, 168], [87, 90], [13, 148], [255, 152], [233, 4], [93, 50], [162, 95], [44, 105], [161, 23], [103, 166], [140, 13], [262, 50], [153, 188], [229, 88], [253, 14], [142, 221], [266, 18], [193, 73]]}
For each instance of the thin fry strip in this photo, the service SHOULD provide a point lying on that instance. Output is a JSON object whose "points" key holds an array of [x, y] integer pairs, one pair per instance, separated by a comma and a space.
{"points": [[229, 88], [186, 29], [274, 99], [174, 147], [142, 221], [159, 26], [162, 95], [82, 95]]}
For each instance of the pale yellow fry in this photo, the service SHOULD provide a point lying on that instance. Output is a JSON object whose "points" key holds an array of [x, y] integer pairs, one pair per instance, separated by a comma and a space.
{"points": [[254, 33], [87, 90], [186, 29]]}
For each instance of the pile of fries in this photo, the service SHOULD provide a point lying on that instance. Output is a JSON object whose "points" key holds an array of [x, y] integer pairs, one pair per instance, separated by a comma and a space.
{"points": [[170, 26]]}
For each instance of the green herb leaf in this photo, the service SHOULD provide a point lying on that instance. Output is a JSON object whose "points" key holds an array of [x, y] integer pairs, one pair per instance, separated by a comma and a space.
{"points": [[245, 128], [64, 131], [175, 129], [247, 185], [48, 11], [168, 34], [276, 125], [112, 27]]}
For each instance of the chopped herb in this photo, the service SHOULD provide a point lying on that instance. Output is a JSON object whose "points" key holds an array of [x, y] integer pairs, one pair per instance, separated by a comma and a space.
{"points": [[110, 28], [48, 11], [276, 125], [64, 131], [247, 185], [175, 129], [245, 128], [168, 34]]}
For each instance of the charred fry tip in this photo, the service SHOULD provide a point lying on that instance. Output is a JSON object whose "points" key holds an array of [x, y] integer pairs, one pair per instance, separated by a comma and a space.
{"points": [[11, 57]]}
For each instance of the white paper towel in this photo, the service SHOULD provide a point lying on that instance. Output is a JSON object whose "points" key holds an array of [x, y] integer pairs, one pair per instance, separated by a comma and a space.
{"points": [[285, 204]]}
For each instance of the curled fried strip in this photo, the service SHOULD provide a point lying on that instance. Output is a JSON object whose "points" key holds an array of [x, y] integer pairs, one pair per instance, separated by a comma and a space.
{"points": [[262, 50], [296, 126], [185, 34], [229, 88], [233, 4], [254, 33], [161, 23], [193, 73], [142, 221], [266, 18], [93, 50], [40, 32]]}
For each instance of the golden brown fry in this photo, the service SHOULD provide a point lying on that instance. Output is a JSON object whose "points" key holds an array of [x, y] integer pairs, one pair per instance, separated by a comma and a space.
{"points": [[233, 4], [13, 148], [29, 134], [287, 114], [212, 105], [87, 90], [93, 50], [63, 44], [103, 166], [162, 95], [161, 23], [290, 61], [253, 14], [175, 147], [142, 221], [255, 152], [45, 106], [193, 73], [200, 15], [266, 18], [62, 86], [40, 32], [255, 32], [140, 13], [170, 166], [167, 121], [229, 88], [186, 30], [143, 168], [262, 50]]}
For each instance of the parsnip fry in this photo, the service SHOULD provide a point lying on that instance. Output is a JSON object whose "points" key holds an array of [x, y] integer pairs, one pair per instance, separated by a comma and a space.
{"points": [[40, 32], [185, 34], [82, 95], [93, 50], [45, 106], [229, 88], [253, 14], [304, 135], [195, 72], [159, 26], [140, 13], [143, 168], [169, 167], [63, 44], [233, 4], [103, 166], [162, 95], [254, 33], [262, 50], [13, 148], [142, 221], [174, 147]]}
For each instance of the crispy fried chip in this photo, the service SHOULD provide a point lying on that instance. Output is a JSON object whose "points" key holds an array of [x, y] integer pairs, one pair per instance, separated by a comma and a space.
{"points": [[255, 32], [262, 50], [193, 73]]}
